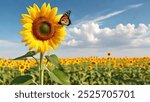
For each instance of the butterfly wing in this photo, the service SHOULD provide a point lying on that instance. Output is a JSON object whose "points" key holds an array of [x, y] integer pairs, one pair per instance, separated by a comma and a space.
{"points": [[64, 20]]}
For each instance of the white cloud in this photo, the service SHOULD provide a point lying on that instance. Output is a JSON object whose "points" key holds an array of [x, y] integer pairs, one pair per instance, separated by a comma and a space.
{"points": [[145, 42], [75, 30], [92, 35], [71, 42]]}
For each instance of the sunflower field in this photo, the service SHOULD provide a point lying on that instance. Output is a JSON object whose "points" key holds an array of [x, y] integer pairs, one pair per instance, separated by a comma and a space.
{"points": [[81, 71], [44, 30]]}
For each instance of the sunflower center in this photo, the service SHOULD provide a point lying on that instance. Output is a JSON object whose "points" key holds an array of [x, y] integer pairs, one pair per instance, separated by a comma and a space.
{"points": [[43, 28]]}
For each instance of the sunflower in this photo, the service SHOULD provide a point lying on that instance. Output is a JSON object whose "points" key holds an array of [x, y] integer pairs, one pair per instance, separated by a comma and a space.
{"points": [[22, 67], [108, 53], [41, 30], [89, 68], [93, 63]]}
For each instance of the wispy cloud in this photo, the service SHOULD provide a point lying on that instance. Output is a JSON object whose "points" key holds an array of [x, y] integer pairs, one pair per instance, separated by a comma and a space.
{"points": [[109, 15], [5, 43], [10, 49], [115, 13], [136, 5]]}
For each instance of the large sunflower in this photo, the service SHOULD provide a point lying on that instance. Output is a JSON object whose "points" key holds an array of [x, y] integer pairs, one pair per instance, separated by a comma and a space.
{"points": [[41, 30]]}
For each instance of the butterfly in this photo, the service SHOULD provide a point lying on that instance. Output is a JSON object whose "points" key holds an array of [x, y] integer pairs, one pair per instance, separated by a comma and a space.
{"points": [[65, 20]]}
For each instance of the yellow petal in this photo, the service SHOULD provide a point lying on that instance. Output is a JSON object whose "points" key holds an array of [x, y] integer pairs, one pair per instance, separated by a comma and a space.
{"points": [[24, 39], [28, 26], [25, 32], [31, 46], [53, 13], [60, 37], [57, 19], [60, 33], [48, 10], [25, 16], [53, 46], [32, 42], [42, 47], [36, 7], [43, 10], [47, 46], [23, 21], [27, 20], [29, 36], [28, 42], [49, 7], [32, 12], [36, 45], [56, 41]]}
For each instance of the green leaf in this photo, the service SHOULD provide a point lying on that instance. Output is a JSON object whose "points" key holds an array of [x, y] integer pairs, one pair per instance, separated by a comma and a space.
{"points": [[54, 60], [28, 54], [22, 80], [59, 77]]}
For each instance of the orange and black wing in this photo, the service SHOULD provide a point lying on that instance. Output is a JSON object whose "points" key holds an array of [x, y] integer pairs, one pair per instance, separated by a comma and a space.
{"points": [[65, 20]]}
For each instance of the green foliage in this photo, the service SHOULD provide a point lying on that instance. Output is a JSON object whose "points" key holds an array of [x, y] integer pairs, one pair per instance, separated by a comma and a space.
{"points": [[54, 60], [22, 80], [72, 74], [59, 77], [28, 54]]}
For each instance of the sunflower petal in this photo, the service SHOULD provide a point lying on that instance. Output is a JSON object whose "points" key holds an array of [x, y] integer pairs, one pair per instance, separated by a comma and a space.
{"points": [[33, 13], [56, 41], [48, 7], [43, 10], [25, 16], [27, 26], [36, 7], [28, 42], [27, 20], [57, 19], [53, 13], [53, 46], [31, 45], [36, 45], [25, 32], [42, 47]]}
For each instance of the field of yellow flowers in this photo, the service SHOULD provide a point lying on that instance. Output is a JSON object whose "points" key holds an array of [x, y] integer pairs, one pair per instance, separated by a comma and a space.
{"points": [[84, 71]]}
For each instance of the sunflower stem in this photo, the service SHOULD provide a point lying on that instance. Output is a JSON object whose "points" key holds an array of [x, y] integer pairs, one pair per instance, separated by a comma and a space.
{"points": [[41, 70]]}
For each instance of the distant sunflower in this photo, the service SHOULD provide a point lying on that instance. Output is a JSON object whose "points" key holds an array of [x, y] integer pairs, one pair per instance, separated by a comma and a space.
{"points": [[89, 68], [22, 68], [41, 30], [109, 54]]}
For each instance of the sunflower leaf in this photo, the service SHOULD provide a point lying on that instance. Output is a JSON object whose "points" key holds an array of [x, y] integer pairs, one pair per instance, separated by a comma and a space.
{"points": [[28, 54], [59, 77], [54, 60], [22, 80]]}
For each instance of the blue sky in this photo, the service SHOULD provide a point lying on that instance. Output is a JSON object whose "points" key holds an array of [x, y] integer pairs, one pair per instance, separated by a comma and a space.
{"points": [[115, 25]]}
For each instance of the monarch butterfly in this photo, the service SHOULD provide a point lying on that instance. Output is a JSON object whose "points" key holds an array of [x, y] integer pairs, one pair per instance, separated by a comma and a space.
{"points": [[64, 20]]}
